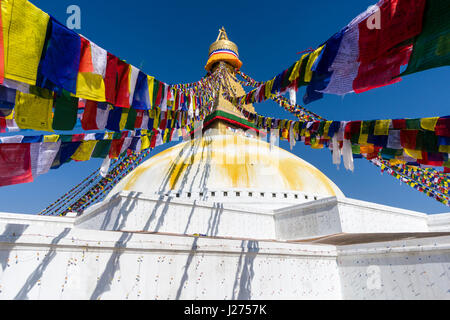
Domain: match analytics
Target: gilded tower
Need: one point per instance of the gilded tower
(224, 53)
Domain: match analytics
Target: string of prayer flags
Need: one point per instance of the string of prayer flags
(321, 71)
(299, 111)
(99, 190)
(400, 140)
(364, 55)
(425, 187)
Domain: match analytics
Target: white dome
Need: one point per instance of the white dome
(226, 162)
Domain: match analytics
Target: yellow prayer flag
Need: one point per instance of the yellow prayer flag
(363, 139)
(312, 59)
(151, 82)
(296, 71)
(51, 138)
(123, 118)
(429, 123)
(24, 31)
(145, 143)
(108, 135)
(90, 86)
(302, 132)
(394, 162)
(326, 129)
(444, 149)
(268, 90)
(156, 115)
(416, 154)
(84, 151)
(34, 112)
(10, 116)
(382, 127)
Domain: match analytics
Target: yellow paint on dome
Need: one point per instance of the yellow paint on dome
(176, 174)
(232, 161)
(135, 175)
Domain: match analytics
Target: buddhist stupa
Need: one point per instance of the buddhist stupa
(224, 159)
(226, 216)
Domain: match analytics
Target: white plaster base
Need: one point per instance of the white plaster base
(86, 264)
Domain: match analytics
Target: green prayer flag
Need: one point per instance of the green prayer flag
(285, 81)
(432, 47)
(156, 85)
(116, 136)
(427, 141)
(388, 153)
(413, 124)
(321, 128)
(101, 149)
(131, 120)
(66, 109)
(355, 138)
(66, 138)
(356, 149)
(301, 78)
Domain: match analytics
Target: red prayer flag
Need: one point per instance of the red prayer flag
(177, 100)
(85, 56)
(163, 123)
(372, 155)
(139, 118)
(399, 124)
(111, 78)
(78, 137)
(353, 127)
(116, 146)
(15, 164)
(399, 20)
(382, 71)
(2, 125)
(430, 159)
(153, 139)
(408, 139)
(443, 127)
(123, 85)
(89, 118)
(159, 95)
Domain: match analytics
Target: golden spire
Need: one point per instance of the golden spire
(223, 50)
(222, 35)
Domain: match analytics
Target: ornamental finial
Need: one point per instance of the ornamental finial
(222, 35)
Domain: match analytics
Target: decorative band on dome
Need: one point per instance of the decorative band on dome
(218, 51)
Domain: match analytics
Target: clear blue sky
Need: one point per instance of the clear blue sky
(170, 40)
